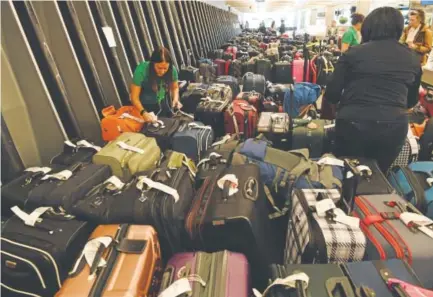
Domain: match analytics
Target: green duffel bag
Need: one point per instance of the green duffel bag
(128, 154)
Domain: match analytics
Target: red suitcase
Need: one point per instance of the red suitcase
(241, 119)
(227, 67)
(221, 66)
(254, 98)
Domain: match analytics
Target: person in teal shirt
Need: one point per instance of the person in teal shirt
(351, 37)
(155, 86)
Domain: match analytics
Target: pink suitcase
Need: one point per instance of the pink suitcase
(298, 70)
(229, 272)
(221, 66)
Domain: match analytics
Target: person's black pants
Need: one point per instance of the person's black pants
(379, 140)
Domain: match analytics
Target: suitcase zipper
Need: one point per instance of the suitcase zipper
(48, 255)
(31, 264)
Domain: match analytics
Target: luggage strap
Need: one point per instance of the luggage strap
(197, 126)
(131, 117)
(294, 281)
(144, 180)
(128, 147)
(85, 143)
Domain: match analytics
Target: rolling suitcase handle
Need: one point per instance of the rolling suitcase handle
(339, 284)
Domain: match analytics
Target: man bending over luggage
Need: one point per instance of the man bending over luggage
(375, 83)
(155, 87)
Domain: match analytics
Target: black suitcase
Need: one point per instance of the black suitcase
(248, 67)
(235, 69)
(162, 131)
(138, 202)
(183, 85)
(189, 73)
(192, 97)
(283, 73)
(254, 82)
(227, 56)
(75, 151)
(231, 81)
(36, 259)
(211, 113)
(264, 67)
(63, 191)
(238, 222)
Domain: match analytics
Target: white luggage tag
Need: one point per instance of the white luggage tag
(289, 281)
(85, 143)
(341, 217)
(131, 117)
(331, 161)
(222, 141)
(323, 206)
(420, 222)
(116, 182)
(131, 148)
(158, 124)
(32, 218)
(213, 154)
(197, 126)
(62, 175)
(156, 185)
(234, 183)
(330, 126)
(69, 143)
(430, 181)
(44, 170)
(414, 148)
(361, 168)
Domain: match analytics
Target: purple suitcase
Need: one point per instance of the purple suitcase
(221, 66)
(234, 281)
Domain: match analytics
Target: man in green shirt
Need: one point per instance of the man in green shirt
(155, 86)
(351, 37)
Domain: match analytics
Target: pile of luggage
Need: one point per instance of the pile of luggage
(236, 194)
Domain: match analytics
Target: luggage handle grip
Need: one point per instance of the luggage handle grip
(340, 284)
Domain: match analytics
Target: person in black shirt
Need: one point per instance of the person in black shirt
(374, 84)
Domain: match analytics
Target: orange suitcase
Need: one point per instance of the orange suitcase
(133, 265)
(115, 122)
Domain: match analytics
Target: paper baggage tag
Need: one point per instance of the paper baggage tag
(430, 181)
(289, 281)
(131, 117)
(32, 218)
(114, 180)
(360, 168)
(158, 124)
(222, 141)
(108, 32)
(181, 286)
(85, 143)
(423, 223)
(197, 126)
(330, 126)
(156, 185)
(69, 143)
(233, 179)
(341, 217)
(413, 145)
(62, 175)
(323, 206)
(131, 148)
(44, 170)
(331, 161)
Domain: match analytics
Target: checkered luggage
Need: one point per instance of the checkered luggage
(409, 151)
(322, 237)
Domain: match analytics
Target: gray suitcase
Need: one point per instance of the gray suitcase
(254, 82)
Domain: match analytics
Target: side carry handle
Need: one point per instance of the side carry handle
(339, 286)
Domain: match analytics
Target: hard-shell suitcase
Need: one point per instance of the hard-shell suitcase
(128, 154)
(240, 118)
(189, 73)
(415, 184)
(216, 270)
(254, 82)
(220, 219)
(382, 220)
(133, 264)
(191, 98)
(162, 130)
(221, 66)
(264, 67)
(80, 151)
(298, 70)
(254, 98)
(65, 188)
(280, 123)
(193, 139)
(283, 72)
(36, 259)
(231, 81)
(264, 124)
(116, 122)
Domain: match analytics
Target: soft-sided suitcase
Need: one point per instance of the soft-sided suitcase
(235, 69)
(211, 113)
(189, 73)
(415, 184)
(254, 82)
(133, 264)
(193, 139)
(128, 154)
(116, 122)
(80, 151)
(283, 72)
(248, 66)
(310, 136)
(36, 259)
(277, 92)
(254, 98)
(382, 220)
(221, 66)
(409, 151)
(269, 105)
(264, 67)
(162, 131)
(313, 237)
(231, 81)
(208, 72)
(65, 188)
(216, 270)
(237, 221)
(241, 118)
(191, 98)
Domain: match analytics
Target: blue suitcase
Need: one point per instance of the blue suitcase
(193, 139)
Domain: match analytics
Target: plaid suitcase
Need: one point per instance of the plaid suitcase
(320, 239)
(382, 221)
(80, 151)
(409, 151)
(193, 139)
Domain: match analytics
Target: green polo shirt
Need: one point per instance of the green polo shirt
(141, 79)
(350, 37)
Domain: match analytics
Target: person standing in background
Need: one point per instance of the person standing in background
(417, 36)
(351, 36)
(273, 26)
(332, 32)
(247, 25)
(282, 27)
